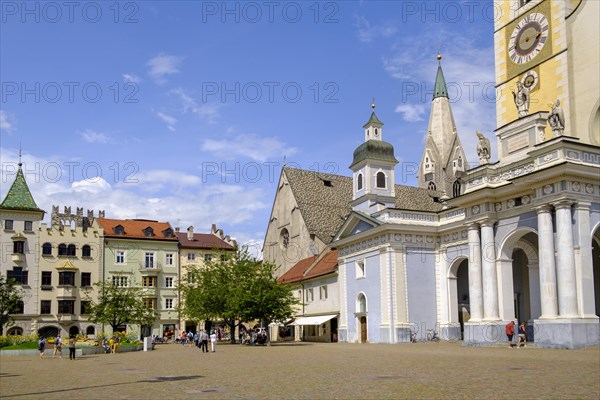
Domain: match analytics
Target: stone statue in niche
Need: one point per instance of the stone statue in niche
(483, 148)
(556, 119)
(522, 99)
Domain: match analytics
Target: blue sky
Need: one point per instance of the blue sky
(184, 111)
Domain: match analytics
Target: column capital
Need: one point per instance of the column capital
(583, 205)
(564, 203)
(472, 226)
(487, 222)
(544, 208)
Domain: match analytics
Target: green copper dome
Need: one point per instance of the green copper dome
(374, 150)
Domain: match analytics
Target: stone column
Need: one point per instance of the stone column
(548, 297)
(490, 275)
(475, 286)
(585, 270)
(565, 260)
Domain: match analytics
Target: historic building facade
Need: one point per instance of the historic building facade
(475, 246)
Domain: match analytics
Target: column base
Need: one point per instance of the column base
(342, 335)
(567, 333)
(450, 332)
(483, 333)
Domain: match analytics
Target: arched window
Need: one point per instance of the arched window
(362, 303)
(431, 186)
(86, 251)
(73, 331)
(47, 249)
(71, 249)
(285, 238)
(90, 330)
(380, 177)
(62, 249)
(456, 188)
(15, 331)
(359, 182)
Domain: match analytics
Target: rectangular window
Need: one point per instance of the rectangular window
(309, 295)
(191, 256)
(360, 269)
(207, 257)
(66, 306)
(190, 277)
(28, 225)
(45, 307)
(150, 303)
(18, 275)
(149, 260)
(8, 224)
(120, 281)
(149, 281)
(323, 292)
(169, 259)
(85, 307)
(46, 280)
(18, 247)
(120, 257)
(169, 282)
(86, 279)
(169, 304)
(66, 278)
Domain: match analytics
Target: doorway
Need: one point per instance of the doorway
(363, 329)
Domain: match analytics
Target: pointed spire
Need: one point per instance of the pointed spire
(373, 120)
(19, 197)
(440, 89)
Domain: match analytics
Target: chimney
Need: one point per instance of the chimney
(177, 229)
(190, 233)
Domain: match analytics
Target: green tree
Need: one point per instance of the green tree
(238, 288)
(10, 296)
(119, 305)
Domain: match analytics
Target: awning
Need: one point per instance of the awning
(321, 319)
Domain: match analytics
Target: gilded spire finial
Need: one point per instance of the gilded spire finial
(439, 55)
(373, 104)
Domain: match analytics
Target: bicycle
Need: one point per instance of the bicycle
(432, 336)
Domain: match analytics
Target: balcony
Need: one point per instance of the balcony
(66, 291)
(17, 258)
(150, 268)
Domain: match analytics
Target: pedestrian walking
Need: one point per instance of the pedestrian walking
(522, 335)
(190, 338)
(42, 346)
(72, 342)
(57, 347)
(204, 339)
(213, 341)
(196, 339)
(510, 331)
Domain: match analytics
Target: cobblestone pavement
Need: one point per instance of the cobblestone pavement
(309, 371)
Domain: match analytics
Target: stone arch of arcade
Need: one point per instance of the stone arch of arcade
(519, 277)
(458, 292)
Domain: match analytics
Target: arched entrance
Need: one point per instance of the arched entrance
(73, 331)
(361, 315)
(458, 281)
(48, 331)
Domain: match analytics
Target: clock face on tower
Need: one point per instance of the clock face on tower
(528, 38)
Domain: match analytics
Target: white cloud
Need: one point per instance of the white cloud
(91, 136)
(132, 78)
(248, 146)
(168, 119)
(6, 122)
(161, 66)
(412, 112)
(208, 111)
(367, 32)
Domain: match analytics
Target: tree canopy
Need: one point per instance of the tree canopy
(120, 305)
(10, 296)
(235, 288)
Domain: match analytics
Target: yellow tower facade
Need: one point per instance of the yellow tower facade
(550, 48)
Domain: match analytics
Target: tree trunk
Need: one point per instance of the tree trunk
(232, 332)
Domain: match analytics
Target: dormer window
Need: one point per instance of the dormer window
(168, 233)
(119, 230)
(327, 183)
(148, 232)
(359, 182)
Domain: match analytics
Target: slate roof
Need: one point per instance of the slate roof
(134, 228)
(19, 197)
(311, 267)
(203, 241)
(324, 208)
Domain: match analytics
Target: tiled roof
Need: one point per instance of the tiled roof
(19, 197)
(311, 267)
(134, 228)
(324, 200)
(203, 241)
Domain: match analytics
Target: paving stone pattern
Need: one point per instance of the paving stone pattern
(309, 371)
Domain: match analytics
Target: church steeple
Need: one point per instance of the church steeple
(440, 89)
(443, 161)
(373, 126)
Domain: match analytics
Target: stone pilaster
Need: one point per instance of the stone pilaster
(565, 260)
(548, 296)
(489, 274)
(475, 284)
